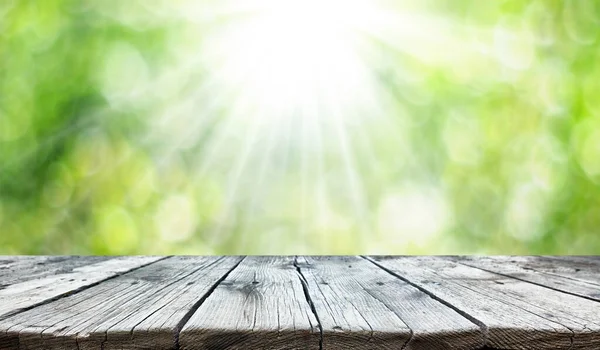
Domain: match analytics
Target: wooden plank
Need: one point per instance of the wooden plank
(576, 258)
(580, 268)
(518, 315)
(361, 306)
(311, 303)
(261, 305)
(575, 277)
(54, 282)
(142, 309)
(18, 269)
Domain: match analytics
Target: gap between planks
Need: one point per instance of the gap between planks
(77, 290)
(184, 320)
(305, 285)
(572, 282)
(480, 324)
(560, 320)
(197, 305)
(180, 322)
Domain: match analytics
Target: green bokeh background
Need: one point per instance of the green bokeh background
(491, 144)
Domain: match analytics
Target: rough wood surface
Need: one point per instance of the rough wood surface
(360, 306)
(516, 314)
(283, 302)
(29, 284)
(18, 269)
(570, 276)
(261, 305)
(137, 310)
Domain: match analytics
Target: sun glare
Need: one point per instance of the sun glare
(282, 54)
(303, 88)
(286, 110)
(298, 126)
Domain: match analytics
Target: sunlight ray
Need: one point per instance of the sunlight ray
(260, 191)
(233, 182)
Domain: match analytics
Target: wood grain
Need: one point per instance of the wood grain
(18, 269)
(517, 314)
(261, 305)
(576, 277)
(29, 284)
(360, 306)
(283, 302)
(138, 310)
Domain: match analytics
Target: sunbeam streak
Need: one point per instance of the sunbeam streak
(298, 126)
(303, 89)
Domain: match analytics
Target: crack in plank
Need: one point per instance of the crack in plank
(532, 282)
(197, 305)
(304, 283)
(480, 324)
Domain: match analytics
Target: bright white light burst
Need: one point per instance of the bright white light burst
(294, 109)
(283, 55)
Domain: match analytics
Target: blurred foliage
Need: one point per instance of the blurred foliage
(114, 139)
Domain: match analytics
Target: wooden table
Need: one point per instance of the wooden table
(413, 303)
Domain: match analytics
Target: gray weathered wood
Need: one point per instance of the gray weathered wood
(18, 269)
(332, 303)
(32, 288)
(577, 258)
(517, 314)
(574, 277)
(360, 306)
(142, 309)
(585, 269)
(261, 305)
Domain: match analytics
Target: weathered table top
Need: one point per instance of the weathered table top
(416, 303)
